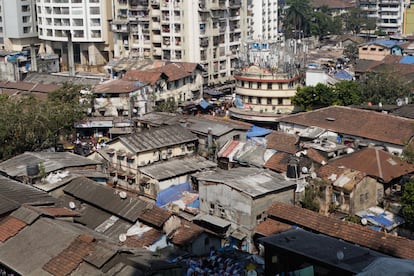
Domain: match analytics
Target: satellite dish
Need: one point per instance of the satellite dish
(72, 205)
(340, 255)
(364, 221)
(123, 195)
(304, 170)
(399, 102)
(122, 237)
(313, 175)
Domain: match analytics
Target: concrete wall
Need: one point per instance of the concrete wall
(363, 196)
(202, 244)
(7, 72)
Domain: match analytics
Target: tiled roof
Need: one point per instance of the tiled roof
(365, 65)
(282, 141)
(70, 258)
(59, 211)
(155, 138)
(117, 86)
(142, 76)
(348, 231)
(154, 216)
(278, 162)
(10, 227)
(362, 123)
(271, 227)
(29, 86)
(176, 70)
(186, 233)
(316, 156)
(146, 239)
(376, 163)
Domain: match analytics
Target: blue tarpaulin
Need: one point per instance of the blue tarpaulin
(343, 75)
(238, 102)
(256, 131)
(195, 204)
(407, 60)
(172, 193)
(204, 104)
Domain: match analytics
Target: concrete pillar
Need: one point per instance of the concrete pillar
(33, 58)
(71, 60)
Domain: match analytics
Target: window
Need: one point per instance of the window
(280, 101)
(236, 137)
(269, 86)
(259, 85)
(259, 100)
(250, 99)
(250, 84)
(269, 100)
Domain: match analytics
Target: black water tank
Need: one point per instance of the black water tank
(32, 170)
(293, 169)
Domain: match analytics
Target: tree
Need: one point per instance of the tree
(347, 93)
(384, 87)
(313, 97)
(29, 124)
(297, 18)
(351, 52)
(167, 106)
(310, 200)
(407, 201)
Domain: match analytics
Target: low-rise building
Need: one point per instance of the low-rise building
(239, 198)
(128, 153)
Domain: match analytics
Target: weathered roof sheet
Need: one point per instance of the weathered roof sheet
(202, 126)
(156, 138)
(106, 198)
(70, 258)
(251, 181)
(186, 233)
(278, 162)
(282, 141)
(143, 76)
(357, 122)
(159, 118)
(117, 86)
(155, 216)
(7, 205)
(270, 227)
(147, 238)
(347, 231)
(52, 161)
(10, 227)
(23, 193)
(177, 167)
(251, 154)
(376, 163)
(406, 110)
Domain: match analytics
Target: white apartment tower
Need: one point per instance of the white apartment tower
(389, 14)
(264, 20)
(17, 24)
(85, 23)
(208, 32)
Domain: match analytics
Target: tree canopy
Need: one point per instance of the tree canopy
(376, 88)
(407, 201)
(30, 124)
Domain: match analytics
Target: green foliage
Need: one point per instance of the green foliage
(408, 153)
(29, 124)
(407, 201)
(321, 95)
(297, 18)
(310, 201)
(167, 106)
(351, 52)
(384, 88)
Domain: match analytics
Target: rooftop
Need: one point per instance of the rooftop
(367, 124)
(251, 181)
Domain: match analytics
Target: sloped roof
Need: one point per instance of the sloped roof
(270, 227)
(406, 110)
(22, 193)
(363, 123)
(316, 156)
(186, 233)
(218, 128)
(177, 167)
(7, 205)
(155, 138)
(282, 141)
(155, 216)
(29, 86)
(52, 161)
(347, 231)
(146, 239)
(117, 86)
(251, 181)
(142, 76)
(10, 227)
(278, 162)
(176, 70)
(106, 198)
(375, 163)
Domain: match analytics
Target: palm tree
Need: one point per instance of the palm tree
(297, 18)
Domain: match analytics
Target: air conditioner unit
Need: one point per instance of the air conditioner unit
(169, 151)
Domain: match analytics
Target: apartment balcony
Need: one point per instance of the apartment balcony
(156, 38)
(234, 3)
(155, 13)
(387, 9)
(118, 27)
(141, 7)
(156, 25)
(155, 3)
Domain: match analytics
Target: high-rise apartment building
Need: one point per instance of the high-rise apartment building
(208, 32)
(389, 14)
(17, 24)
(265, 20)
(85, 23)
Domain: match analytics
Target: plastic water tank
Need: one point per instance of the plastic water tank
(32, 170)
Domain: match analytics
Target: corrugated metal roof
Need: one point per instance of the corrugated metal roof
(100, 255)
(156, 138)
(200, 125)
(176, 167)
(251, 181)
(7, 205)
(106, 198)
(23, 193)
(27, 215)
(52, 161)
